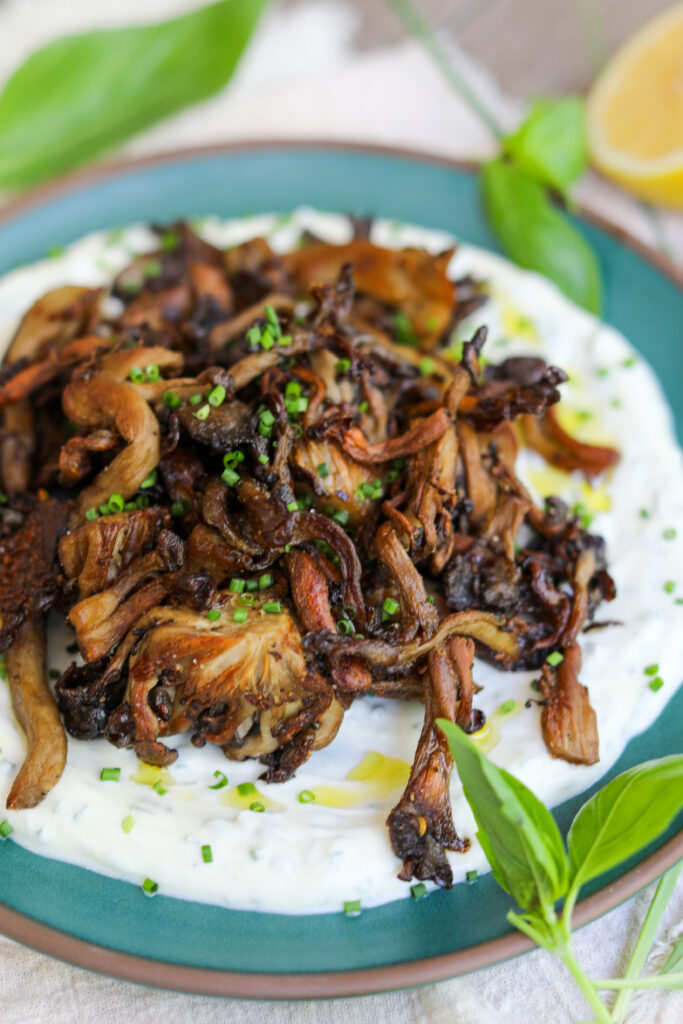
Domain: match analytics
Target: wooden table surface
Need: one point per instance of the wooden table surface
(530, 46)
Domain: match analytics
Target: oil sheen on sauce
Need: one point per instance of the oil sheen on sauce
(320, 839)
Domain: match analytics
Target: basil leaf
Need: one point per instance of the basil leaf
(517, 832)
(551, 145)
(631, 811)
(85, 94)
(537, 235)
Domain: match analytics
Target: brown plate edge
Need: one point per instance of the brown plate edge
(333, 984)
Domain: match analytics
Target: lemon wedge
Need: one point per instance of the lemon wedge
(635, 112)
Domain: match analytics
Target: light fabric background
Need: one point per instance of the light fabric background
(304, 77)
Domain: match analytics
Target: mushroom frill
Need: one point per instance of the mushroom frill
(261, 487)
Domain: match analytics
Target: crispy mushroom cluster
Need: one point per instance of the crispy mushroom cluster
(259, 489)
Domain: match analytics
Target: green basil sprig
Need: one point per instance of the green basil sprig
(547, 152)
(85, 94)
(528, 859)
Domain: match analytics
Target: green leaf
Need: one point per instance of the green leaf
(537, 235)
(517, 832)
(551, 145)
(85, 94)
(625, 816)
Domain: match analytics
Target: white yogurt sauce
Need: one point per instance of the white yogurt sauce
(305, 857)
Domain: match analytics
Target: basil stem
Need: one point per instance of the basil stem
(663, 893)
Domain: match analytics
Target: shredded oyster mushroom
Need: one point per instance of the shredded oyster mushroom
(251, 519)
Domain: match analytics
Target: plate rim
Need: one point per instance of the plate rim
(327, 984)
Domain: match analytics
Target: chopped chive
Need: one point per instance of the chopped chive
(257, 806)
(246, 600)
(54, 251)
(179, 508)
(341, 516)
(644, 514)
(285, 339)
(430, 598)
(170, 240)
(419, 891)
(254, 335)
(404, 330)
(506, 707)
(535, 685)
(149, 481)
(91, 514)
(232, 458)
(292, 389)
(246, 788)
(651, 670)
(656, 684)
(628, 363)
(203, 413)
(267, 340)
(263, 459)
(343, 365)
(669, 587)
(152, 373)
(426, 366)
(170, 399)
(116, 503)
(213, 614)
(239, 615)
(230, 477)
(4, 500)
(216, 396)
(54, 673)
(236, 585)
(128, 823)
(265, 581)
(222, 780)
(272, 607)
(363, 406)
(152, 268)
(292, 506)
(137, 374)
(669, 533)
(390, 606)
(602, 371)
(110, 774)
(104, 509)
(392, 476)
(352, 908)
(306, 796)
(287, 548)
(267, 417)
(345, 627)
(555, 659)
(5, 829)
(471, 876)
(207, 854)
(149, 887)
(195, 399)
(159, 788)
(323, 470)
(252, 584)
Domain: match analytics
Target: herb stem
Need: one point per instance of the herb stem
(663, 893)
(420, 30)
(588, 988)
(673, 981)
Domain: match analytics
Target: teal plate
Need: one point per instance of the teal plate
(108, 925)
